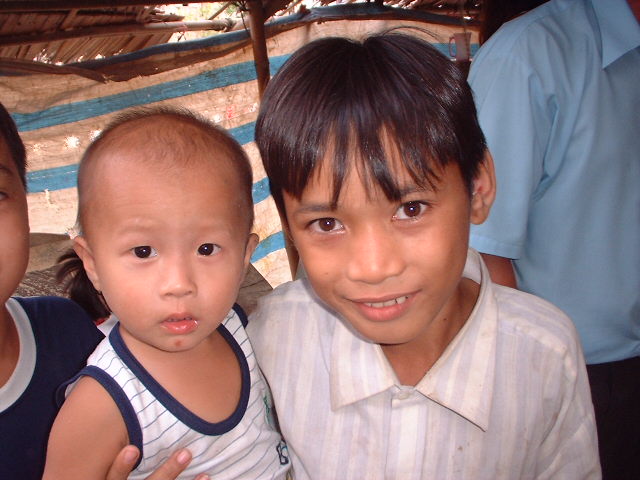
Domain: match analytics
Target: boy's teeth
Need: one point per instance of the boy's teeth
(388, 303)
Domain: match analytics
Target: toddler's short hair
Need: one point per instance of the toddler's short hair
(171, 141)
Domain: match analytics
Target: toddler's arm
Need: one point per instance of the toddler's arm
(86, 436)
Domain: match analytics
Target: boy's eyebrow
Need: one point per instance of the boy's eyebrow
(315, 208)
(329, 207)
(404, 191)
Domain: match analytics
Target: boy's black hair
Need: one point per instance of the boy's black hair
(9, 132)
(354, 97)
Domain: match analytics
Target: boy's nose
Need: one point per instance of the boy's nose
(176, 279)
(374, 256)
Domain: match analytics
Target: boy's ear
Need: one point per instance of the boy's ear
(484, 190)
(84, 252)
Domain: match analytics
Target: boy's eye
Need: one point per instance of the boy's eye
(326, 225)
(410, 210)
(144, 251)
(207, 249)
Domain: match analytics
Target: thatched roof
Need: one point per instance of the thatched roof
(65, 32)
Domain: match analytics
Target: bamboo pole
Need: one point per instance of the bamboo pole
(259, 42)
(261, 59)
(53, 5)
(115, 30)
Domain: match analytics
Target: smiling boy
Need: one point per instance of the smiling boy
(397, 357)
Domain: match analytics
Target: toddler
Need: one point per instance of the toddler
(165, 213)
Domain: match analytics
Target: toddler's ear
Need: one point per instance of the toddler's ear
(84, 252)
(484, 190)
(252, 243)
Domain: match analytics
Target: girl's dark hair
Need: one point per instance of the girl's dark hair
(355, 97)
(10, 134)
(73, 278)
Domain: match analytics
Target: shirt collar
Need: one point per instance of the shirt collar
(461, 380)
(358, 368)
(619, 29)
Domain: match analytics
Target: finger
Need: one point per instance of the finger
(123, 463)
(174, 465)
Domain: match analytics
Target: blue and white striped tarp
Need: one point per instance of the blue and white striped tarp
(59, 115)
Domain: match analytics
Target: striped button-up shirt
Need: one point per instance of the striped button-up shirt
(508, 398)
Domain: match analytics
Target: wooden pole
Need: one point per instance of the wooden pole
(259, 42)
(261, 59)
(115, 30)
(53, 5)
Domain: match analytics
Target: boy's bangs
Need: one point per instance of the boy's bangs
(380, 99)
(359, 126)
(376, 154)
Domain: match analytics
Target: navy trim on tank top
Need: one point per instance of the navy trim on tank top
(241, 314)
(170, 403)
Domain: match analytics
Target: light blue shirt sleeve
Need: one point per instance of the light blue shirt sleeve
(516, 116)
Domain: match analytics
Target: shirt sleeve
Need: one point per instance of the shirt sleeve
(570, 448)
(516, 116)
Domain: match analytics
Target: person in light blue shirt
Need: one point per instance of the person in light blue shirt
(558, 98)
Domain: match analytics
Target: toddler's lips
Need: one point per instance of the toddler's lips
(180, 325)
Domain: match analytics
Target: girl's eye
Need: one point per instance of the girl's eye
(410, 210)
(326, 225)
(3, 195)
(144, 251)
(207, 249)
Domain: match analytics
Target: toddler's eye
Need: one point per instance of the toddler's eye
(3, 195)
(410, 210)
(326, 225)
(144, 251)
(207, 249)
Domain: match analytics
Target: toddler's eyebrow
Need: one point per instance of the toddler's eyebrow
(6, 171)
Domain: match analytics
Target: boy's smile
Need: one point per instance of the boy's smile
(385, 308)
(392, 269)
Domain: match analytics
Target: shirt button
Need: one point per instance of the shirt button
(403, 395)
